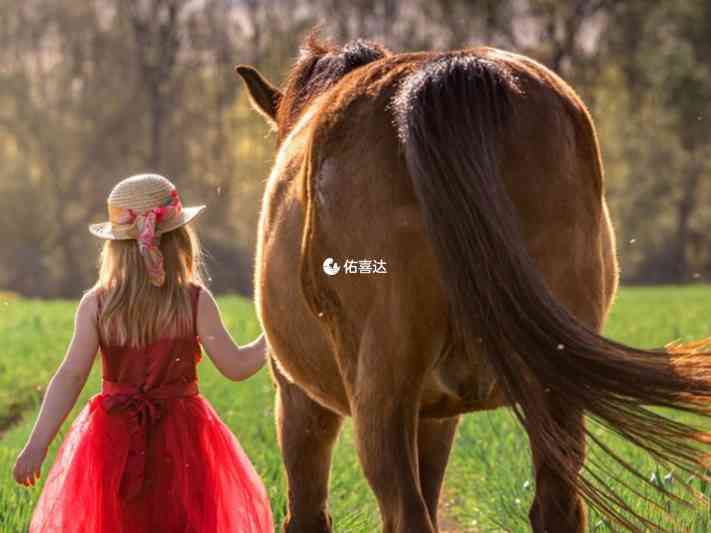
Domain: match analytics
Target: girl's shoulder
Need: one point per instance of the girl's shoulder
(202, 289)
(90, 300)
(88, 308)
(208, 296)
(94, 298)
(206, 308)
(196, 289)
(197, 286)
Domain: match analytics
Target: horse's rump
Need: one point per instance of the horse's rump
(454, 118)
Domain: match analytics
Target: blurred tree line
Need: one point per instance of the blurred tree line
(94, 91)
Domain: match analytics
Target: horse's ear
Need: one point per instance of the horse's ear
(263, 95)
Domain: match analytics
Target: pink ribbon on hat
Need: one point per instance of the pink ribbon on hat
(148, 241)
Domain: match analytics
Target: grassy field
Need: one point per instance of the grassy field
(488, 484)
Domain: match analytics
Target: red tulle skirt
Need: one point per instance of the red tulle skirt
(195, 478)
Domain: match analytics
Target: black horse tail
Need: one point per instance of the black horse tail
(450, 116)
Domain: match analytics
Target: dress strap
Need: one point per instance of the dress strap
(196, 297)
(98, 304)
(98, 313)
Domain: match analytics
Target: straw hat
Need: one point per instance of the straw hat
(139, 195)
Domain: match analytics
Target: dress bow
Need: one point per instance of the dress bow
(142, 410)
(141, 413)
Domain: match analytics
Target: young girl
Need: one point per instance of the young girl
(148, 454)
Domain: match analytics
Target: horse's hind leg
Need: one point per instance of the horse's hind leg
(306, 433)
(386, 435)
(557, 506)
(434, 442)
(392, 363)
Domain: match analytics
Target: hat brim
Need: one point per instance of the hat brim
(104, 230)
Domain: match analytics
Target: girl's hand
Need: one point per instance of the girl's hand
(28, 465)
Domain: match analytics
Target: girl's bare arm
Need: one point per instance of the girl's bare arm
(234, 362)
(62, 391)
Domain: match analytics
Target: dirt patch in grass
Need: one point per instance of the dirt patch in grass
(13, 414)
(447, 522)
(9, 420)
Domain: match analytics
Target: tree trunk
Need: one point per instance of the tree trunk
(685, 211)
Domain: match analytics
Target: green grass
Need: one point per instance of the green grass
(488, 480)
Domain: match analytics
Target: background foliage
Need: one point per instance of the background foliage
(94, 91)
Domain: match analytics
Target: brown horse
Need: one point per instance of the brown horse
(476, 176)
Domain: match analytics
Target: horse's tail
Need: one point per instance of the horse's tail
(450, 116)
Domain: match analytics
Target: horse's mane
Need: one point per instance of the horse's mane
(319, 66)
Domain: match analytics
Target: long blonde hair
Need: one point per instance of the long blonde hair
(133, 311)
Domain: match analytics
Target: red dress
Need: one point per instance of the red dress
(150, 455)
